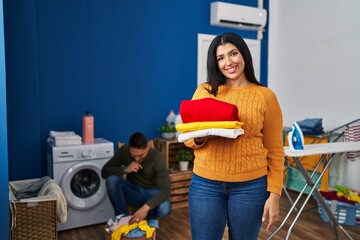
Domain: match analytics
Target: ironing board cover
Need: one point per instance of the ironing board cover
(323, 148)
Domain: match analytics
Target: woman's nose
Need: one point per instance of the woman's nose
(227, 61)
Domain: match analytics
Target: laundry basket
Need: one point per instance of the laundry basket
(108, 236)
(31, 218)
(344, 213)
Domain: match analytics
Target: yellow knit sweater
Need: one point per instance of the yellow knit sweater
(258, 152)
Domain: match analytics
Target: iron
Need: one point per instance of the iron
(296, 137)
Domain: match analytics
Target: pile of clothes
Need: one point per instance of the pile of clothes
(311, 126)
(208, 117)
(58, 138)
(119, 226)
(342, 194)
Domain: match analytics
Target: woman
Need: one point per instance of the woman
(237, 181)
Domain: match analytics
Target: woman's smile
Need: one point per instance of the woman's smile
(231, 70)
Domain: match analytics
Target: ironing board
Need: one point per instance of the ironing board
(322, 149)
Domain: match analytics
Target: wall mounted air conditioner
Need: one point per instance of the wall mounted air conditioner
(237, 16)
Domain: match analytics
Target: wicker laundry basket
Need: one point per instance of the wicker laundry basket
(33, 218)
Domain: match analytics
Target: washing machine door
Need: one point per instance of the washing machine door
(83, 186)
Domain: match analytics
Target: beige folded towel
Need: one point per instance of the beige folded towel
(51, 188)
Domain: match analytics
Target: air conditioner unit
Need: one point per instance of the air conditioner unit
(237, 16)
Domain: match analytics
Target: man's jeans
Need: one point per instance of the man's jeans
(122, 194)
(213, 204)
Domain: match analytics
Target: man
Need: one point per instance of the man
(147, 183)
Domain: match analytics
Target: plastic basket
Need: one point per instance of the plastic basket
(296, 181)
(33, 218)
(344, 213)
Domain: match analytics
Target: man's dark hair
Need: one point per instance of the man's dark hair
(138, 140)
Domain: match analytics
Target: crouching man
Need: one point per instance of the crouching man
(146, 186)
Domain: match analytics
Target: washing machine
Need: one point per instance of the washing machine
(77, 170)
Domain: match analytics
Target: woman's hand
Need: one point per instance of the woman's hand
(201, 140)
(271, 210)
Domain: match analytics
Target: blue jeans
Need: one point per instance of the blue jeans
(122, 194)
(213, 204)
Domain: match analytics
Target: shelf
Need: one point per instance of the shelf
(169, 148)
(180, 181)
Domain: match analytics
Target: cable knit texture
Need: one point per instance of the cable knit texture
(258, 152)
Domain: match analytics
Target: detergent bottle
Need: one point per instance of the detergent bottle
(170, 117)
(88, 128)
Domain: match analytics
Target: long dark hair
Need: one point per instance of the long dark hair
(214, 77)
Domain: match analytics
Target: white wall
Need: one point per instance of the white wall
(314, 59)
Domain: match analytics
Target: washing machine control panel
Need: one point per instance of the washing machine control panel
(98, 150)
(91, 154)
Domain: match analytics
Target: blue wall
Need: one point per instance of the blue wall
(128, 62)
(4, 199)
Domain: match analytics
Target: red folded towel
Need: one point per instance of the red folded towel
(207, 110)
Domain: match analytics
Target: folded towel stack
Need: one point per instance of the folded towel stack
(311, 126)
(208, 109)
(64, 138)
(208, 117)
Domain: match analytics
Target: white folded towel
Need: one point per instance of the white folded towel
(64, 138)
(61, 133)
(72, 138)
(221, 132)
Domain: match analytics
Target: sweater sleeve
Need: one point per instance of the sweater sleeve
(272, 140)
(115, 166)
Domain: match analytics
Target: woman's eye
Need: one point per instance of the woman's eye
(234, 53)
(219, 59)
